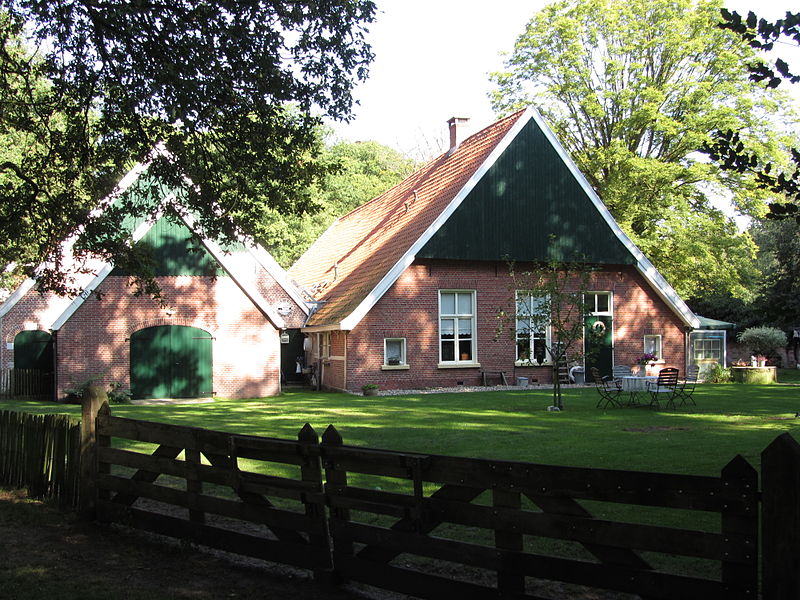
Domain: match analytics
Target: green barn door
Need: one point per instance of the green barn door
(171, 361)
(33, 364)
(33, 350)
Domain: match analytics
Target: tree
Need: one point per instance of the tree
(778, 301)
(357, 172)
(234, 92)
(550, 311)
(728, 148)
(632, 90)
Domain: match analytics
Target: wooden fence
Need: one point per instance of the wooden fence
(518, 503)
(438, 526)
(25, 383)
(40, 453)
(223, 504)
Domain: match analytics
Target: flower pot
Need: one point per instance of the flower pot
(371, 392)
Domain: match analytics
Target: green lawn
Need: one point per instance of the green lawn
(728, 420)
(514, 425)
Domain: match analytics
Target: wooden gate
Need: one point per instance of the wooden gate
(258, 497)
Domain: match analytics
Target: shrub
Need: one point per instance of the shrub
(718, 374)
(763, 341)
(117, 394)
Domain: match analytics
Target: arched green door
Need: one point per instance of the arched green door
(33, 374)
(33, 350)
(171, 361)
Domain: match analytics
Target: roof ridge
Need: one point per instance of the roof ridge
(432, 163)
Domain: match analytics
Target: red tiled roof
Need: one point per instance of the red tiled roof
(349, 260)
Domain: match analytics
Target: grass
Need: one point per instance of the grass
(512, 425)
(729, 419)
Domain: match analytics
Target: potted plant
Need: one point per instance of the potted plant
(370, 389)
(648, 358)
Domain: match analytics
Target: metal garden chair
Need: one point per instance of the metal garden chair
(608, 390)
(686, 387)
(619, 372)
(665, 387)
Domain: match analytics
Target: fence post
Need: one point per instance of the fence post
(780, 518)
(93, 399)
(740, 529)
(311, 472)
(343, 547)
(506, 539)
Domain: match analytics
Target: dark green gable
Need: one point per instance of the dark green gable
(528, 206)
(175, 251)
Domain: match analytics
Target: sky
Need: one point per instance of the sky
(432, 62)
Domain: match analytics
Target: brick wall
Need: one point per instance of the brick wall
(96, 339)
(410, 310)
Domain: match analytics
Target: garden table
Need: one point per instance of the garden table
(633, 384)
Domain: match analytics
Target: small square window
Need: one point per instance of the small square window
(394, 352)
(652, 345)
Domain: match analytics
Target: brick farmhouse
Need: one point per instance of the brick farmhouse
(402, 292)
(408, 286)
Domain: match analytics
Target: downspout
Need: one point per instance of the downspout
(320, 365)
(344, 370)
(54, 336)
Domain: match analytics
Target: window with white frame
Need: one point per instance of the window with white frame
(394, 352)
(457, 326)
(533, 330)
(652, 345)
(598, 303)
(325, 345)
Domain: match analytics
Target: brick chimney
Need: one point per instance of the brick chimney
(458, 126)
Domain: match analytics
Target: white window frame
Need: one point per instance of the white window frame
(403, 356)
(530, 362)
(660, 347)
(325, 345)
(600, 313)
(473, 361)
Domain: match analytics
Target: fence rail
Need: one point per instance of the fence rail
(515, 502)
(436, 526)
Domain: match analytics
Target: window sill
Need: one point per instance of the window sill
(458, 365)
(395, 367)
(525, 363)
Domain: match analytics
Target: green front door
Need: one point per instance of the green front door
(171, 361)
(598, 344)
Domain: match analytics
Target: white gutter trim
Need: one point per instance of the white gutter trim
(124, 183)
(15, 297)
(405, 261)
(104, 272)
(279, 274)
(321, 328)
(249, 290)
(660, 285)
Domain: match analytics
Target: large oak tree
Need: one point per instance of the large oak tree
(233, 90)
(633, 90)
